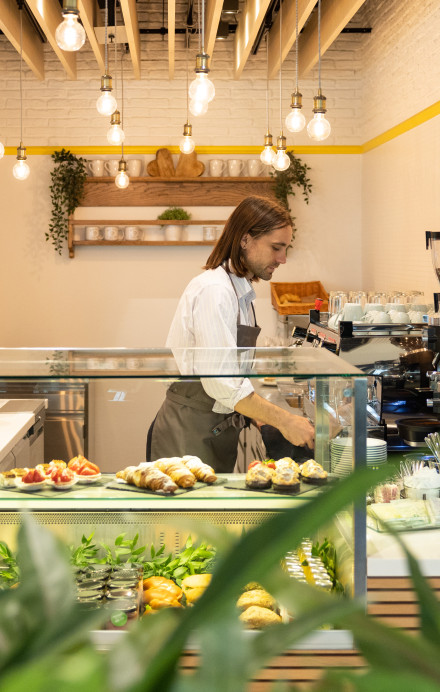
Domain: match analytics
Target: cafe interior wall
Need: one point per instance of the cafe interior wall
(125, 296)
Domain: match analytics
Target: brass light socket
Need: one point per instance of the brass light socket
(122, 165)
(70, 7)
(115, 118)
(319, 103)
(202, 63)
(268, 142)
(106, 83)
(296, 100)
(281, 143)
(21, 152)
(187, 130)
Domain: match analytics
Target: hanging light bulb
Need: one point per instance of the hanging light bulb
(295, 121)
(106, 103)
(187, 144)
(267, 156)
(115, 133)
(198, 107)
(319, 127)
(70, 34)
(122, 180)
(282, 161)
(21, 170)
(2, 150)
(201, 88)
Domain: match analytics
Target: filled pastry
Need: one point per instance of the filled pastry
(256, 617)
(312, 472)
(176, 470)
(287, 462)
(259, 476)
(201, 471)
(256, 597)
(286, 479)
(147, 476)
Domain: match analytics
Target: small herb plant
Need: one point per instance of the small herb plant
(9, 572)
(174, 213)
(68, 177)
(285, 181)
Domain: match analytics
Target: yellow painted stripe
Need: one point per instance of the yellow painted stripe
(405, 126)
(233, 150)
(408, 124)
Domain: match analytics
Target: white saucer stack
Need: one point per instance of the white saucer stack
(341, 451)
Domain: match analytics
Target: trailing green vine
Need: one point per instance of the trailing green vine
(285, 181)
(68, 178)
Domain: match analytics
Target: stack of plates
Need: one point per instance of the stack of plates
(341, 454)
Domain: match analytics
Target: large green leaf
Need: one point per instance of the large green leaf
(40, 616)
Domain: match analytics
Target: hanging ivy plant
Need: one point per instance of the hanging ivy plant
(285, 181)
(68, 177)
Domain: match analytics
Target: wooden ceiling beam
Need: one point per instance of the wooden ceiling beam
(32, 44)
(288, 37)
(133, 34)
(247, 30)
(171, 37)
(48, 15)
(91, 17)
(213, 13)
(335, 15)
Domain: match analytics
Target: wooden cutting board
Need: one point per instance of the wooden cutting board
(189, 167)
(153, 168)
(165, 163)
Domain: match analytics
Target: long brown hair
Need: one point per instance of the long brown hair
(255, 216)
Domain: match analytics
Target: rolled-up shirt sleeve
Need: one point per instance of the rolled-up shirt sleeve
(215, 333)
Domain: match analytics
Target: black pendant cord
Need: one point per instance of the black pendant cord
(21, 75)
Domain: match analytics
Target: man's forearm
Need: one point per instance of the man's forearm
(254, 406)
(294, 428)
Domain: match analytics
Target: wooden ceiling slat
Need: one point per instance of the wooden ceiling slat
(171, 37)
(133, 35)
(247, 31)
(32, 45)
(48, 15)
(91, 17)
(305, 7)
(212, 19)
(335, 15)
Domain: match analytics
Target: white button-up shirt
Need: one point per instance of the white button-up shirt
(206, 320)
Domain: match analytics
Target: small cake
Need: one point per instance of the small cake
(285, 479)
(287, 462)
(312, 472)
(256, 617)
(259, 476)
(8, 479)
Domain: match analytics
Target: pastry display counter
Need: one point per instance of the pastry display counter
(126, 388)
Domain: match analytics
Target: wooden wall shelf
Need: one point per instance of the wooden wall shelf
(154, 192)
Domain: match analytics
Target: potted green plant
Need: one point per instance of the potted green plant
(68, 177)
(173, 232)
(284, 183)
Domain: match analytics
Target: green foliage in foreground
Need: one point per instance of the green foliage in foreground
(45, 647)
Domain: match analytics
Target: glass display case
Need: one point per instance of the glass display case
(125, 388)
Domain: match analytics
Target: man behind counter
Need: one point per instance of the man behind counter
(204, 418)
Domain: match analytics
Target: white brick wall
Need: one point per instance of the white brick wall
(59, 111)
(401, 62)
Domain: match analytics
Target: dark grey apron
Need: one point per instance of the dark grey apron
(186, 423)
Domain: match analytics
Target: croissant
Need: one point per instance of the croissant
(202, 471)
(146, 476)
(176, 470)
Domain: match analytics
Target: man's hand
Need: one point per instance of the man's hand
(298, 431)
